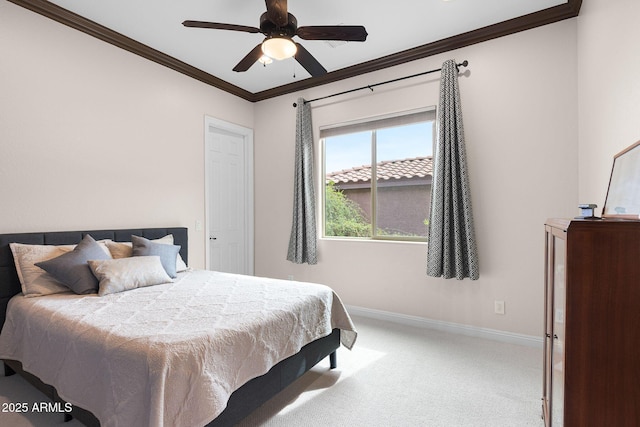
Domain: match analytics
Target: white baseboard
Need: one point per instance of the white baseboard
(454, 328)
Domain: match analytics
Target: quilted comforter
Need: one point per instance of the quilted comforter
(172, 354)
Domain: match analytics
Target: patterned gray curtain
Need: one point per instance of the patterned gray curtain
(452, 246)
(303, 239)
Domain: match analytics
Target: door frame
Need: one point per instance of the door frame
(247, 136)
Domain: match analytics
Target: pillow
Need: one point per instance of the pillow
(167, 253)
(123, 274)
(35, 281)
(120, 249)
(125, 249)
(72, 269)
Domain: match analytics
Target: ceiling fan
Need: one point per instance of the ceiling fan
(279, 27)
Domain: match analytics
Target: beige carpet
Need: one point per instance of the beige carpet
(395, 376)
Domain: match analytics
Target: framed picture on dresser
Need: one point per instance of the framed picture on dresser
(623, 194)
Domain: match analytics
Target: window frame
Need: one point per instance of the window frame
(367, 124)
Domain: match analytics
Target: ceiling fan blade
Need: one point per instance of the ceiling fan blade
(308, 62)
(277, 12)
(350, 33)
(251, 58)
(219, 26)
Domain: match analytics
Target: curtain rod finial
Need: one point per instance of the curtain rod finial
(462, 64)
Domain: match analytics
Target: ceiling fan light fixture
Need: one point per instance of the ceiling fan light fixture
(279, 48)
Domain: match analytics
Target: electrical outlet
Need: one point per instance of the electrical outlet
(498, 307)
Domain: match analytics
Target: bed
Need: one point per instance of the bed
(223, 345)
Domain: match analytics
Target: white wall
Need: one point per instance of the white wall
(609, 88)
(81, 117)
(519, 98)
(92, 136)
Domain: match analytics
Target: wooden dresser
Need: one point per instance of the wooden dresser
(592, 323)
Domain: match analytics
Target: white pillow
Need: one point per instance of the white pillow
(125, 250)
(123, 274)
(34, 281)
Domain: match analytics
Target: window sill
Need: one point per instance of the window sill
(364, 240)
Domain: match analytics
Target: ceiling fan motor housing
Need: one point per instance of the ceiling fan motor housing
(270, 29)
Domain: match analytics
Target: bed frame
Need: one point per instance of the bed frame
(241, 403)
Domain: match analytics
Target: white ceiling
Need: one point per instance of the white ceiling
(393, 26)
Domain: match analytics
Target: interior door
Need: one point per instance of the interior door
(229, 198)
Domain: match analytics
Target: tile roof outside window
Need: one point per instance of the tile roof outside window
(417, 167)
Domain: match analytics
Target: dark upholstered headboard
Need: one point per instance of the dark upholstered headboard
(9, 282)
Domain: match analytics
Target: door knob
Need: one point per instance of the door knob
(213, 238)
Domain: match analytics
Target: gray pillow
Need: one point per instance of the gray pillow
(72, 268)
(167, 253)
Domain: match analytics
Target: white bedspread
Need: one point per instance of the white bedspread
(168, 355)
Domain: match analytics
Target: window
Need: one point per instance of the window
(398, 151)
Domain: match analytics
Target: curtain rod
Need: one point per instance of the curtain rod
(463, 64)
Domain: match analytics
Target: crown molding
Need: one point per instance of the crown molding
(561, 12)
(105, 34)
(512, 26)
